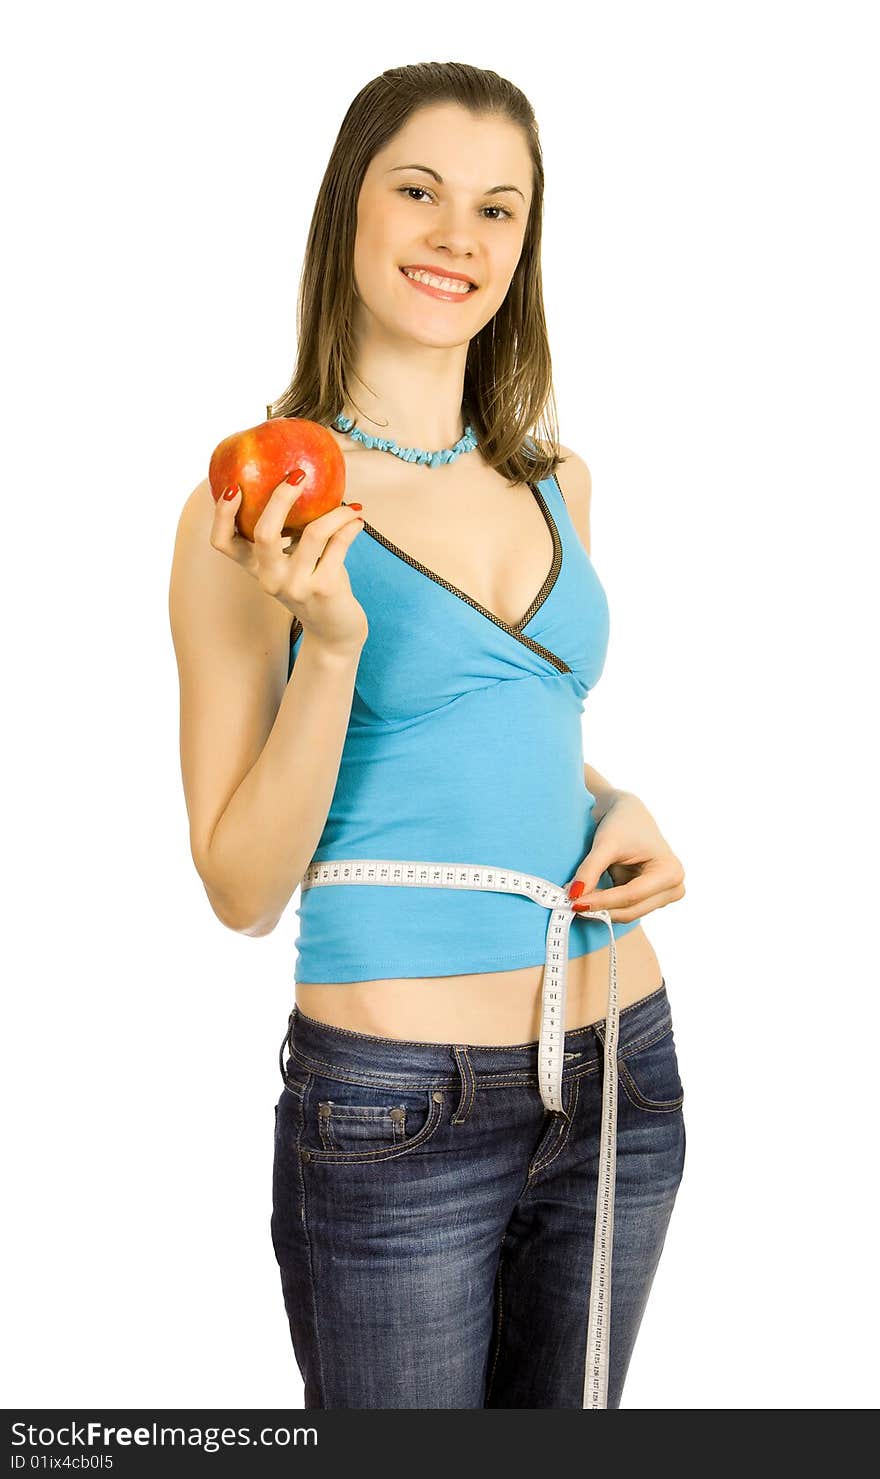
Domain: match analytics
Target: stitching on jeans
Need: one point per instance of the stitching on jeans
(305, 1222)
(378, 1115)
(522, 1079)
(463, 1085)
(461, 1108)
(565, 1120)
(635, 1095)
(533, 1083)
(410, 1042)
(387, 1153)
(551, 1135)
(645, 1042)
(317, 1065)
(470, 1084)
(500, 1318)
(563, 1139)
(473, 1081)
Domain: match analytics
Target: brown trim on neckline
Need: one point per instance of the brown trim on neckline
(514, 628)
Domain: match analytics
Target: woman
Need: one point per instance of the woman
(408, 686)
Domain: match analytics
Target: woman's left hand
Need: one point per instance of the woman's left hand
(646, 873)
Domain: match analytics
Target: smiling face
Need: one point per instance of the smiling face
(448, 216)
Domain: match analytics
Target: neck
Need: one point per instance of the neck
(411, 393)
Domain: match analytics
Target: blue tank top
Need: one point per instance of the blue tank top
(464, 745)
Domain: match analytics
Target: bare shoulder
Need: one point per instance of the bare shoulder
(198, 510)
(573, 477)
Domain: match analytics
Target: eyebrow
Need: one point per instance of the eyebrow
(426, 168)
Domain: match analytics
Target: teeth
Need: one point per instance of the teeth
(448, 284)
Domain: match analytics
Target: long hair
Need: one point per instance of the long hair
(508, 383)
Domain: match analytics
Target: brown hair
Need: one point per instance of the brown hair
(508, 382)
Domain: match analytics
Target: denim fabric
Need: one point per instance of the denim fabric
(433, 1221)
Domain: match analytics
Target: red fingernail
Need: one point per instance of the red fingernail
(231, 493)
(579, 908)
(355, 505)
(576, 889)
(296, 476)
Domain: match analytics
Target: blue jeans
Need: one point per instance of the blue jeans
(433, 1221)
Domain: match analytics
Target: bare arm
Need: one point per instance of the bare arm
(577, 490)
(269, 829)
(260, 756)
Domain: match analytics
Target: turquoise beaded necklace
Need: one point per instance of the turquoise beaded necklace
(467, 443)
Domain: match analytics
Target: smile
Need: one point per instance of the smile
(447, 289)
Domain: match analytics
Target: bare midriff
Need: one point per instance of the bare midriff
(491, 1009)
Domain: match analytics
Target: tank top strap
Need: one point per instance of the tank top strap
(553, 495)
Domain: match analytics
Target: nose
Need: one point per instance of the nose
(454, 235)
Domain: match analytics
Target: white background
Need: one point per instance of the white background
(710, 271)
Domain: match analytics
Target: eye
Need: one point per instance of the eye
(419, 190)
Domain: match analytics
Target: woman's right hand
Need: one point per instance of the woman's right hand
(308, 575)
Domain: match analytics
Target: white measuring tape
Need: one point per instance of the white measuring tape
(550, 1047)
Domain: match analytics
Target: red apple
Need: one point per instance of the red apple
(258, 459)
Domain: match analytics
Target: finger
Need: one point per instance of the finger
(311, 548)
(279, 505)
(656, 901)
(597, 861)
(223, 534)
(282, 499)
(635, 891)
(335, 550)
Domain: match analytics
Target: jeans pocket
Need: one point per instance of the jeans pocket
(649, 1074)
(361, 1122)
